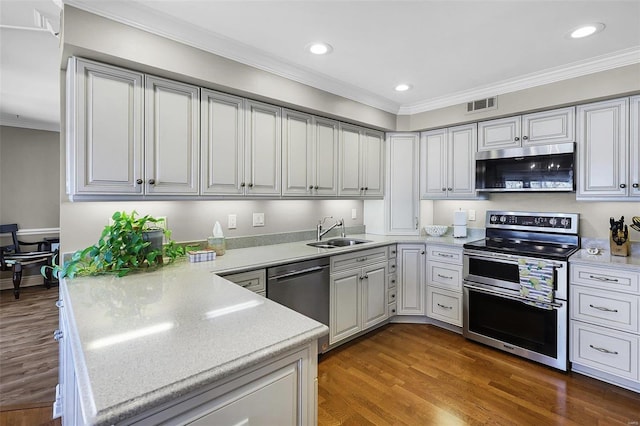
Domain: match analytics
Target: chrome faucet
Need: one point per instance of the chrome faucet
(321, 232)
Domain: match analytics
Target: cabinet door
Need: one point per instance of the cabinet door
(263, 149)
(325, 166)
(433, 164)
(349, 160)
(634, 146)
(172, 145)
(297, 153)
(499, 134)
(374, 295)
(549, 127)
(603, 149)
(222, 143)
(372, 179)
(104, 129)
(411, 276)
(345, 305)
(402, 201)
(461, 175)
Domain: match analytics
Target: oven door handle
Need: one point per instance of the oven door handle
(508, 296)
(505, 258)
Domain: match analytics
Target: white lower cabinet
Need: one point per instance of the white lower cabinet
(255, 281)
(411, 279)
(359, 292)
(605, 325)
(444, 284)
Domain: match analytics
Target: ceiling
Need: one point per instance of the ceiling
(450, 52)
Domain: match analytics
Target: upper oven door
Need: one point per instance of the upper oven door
(500, 271)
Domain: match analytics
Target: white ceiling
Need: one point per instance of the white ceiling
(449, 51)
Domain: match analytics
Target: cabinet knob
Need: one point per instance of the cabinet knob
(393, 281)
(524, 138)
(242, 185)
(623, 186)
(139, 181)
(422, 252)
(152, 181)
(393, 296)
(57, 335)
(444, 189)
(310, 187)
(366, 188)
(516, 139)
(393, 311)
(635, 185)
(59, 303)
(449, 189)
(362, 188)
(366, 276)
(250, 185)
(315, 187)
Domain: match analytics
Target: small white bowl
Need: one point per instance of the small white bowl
(436, 230)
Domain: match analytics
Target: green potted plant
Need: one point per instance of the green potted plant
(128, 243)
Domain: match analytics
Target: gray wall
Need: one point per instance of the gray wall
(29, 176)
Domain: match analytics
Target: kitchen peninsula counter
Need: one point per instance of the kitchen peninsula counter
(149, 339)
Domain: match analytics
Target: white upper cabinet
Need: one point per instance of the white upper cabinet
(104, 129)
(447, 162)
(402, 203)
(172, 137)
(607, 157)
(361, 160)
(540, 128)
(222, 144)
(309, 155)
(262, 149)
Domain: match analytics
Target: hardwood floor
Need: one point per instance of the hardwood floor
(422, 375)
(409, 374)
(28, 352)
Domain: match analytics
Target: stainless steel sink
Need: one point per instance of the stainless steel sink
(337, 242)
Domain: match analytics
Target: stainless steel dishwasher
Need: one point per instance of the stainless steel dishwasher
(303, 287)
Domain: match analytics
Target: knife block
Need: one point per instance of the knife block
(619, 250)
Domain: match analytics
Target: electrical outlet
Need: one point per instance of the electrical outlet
(232, 221)
(258, 219)
(161, 223)
(354, 214)
(471, 214)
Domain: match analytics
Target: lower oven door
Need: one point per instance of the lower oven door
(507, 323)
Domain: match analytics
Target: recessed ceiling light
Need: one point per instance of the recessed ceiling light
(402, 87)
(319, 48)
(586, 30)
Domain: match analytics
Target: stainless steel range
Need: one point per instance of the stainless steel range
(516, 284)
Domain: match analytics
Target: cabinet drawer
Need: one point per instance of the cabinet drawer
(605, 278)
(444, 275)
(608, 308)
(444, 305)
(251, 280)
(358, 259)
(391, 295)
(393, 310)
(605, 349)
(393, 280)
(392, 264)
(444, 254)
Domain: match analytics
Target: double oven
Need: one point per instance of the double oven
(499, 309)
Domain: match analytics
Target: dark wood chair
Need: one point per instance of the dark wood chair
(14, 259)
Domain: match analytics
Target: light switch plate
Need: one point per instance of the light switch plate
(258, 219)
(232, 221)
(354, 214)
(471, 214)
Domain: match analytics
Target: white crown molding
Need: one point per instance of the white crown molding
(577, 69)
(29, 124)
(139, 16)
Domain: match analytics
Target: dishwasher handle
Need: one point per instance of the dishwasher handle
(299, 272)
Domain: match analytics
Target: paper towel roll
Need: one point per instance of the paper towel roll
(460, 218)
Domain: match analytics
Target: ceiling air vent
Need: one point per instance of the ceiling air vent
(482, 104)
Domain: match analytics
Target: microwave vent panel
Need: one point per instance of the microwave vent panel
(482, 104)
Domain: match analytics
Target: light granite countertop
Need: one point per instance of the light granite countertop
(604, 258)
(148, 338)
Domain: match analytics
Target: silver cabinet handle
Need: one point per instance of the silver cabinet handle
(602, 308)
(59, 303)
(57, 335)
(445, 255)
(361, 259)
(444, 276)
(599, 278)
(603, 350)
(445, 307)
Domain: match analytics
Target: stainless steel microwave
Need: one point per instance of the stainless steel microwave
(538, 168)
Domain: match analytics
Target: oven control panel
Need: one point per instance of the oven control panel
(533, 221)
